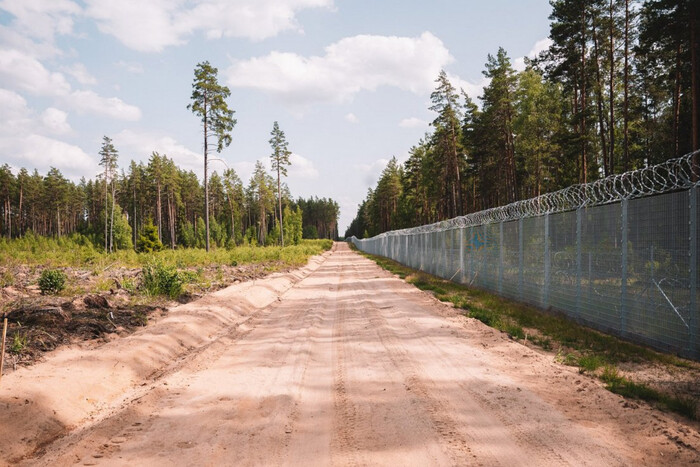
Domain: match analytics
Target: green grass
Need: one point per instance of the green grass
(76, 251)
(576, 345)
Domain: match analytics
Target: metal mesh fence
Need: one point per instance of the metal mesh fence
(628, 267)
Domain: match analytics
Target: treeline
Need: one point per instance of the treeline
(158, 194)
(618, 89)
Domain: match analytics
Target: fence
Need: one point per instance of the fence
(619, 255)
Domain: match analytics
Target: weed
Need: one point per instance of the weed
(159, 279)
(590, 362)
(7, 278)
(19, 342)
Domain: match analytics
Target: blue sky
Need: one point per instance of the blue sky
(349, 81)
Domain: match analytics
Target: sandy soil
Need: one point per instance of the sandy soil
(339, 363)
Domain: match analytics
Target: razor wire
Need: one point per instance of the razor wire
(674, 174)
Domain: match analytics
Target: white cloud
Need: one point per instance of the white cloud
(42, 19)
(80, 73)
(141, 144)
(301, 167)
(349, 66)
(55, 121)
(540, 46)
(413, 122)
(352, 118)
(40, 151)
(151, 26)
(21, 71)
(372, 171)
(131, 67)
(90, 102)
(22, 146)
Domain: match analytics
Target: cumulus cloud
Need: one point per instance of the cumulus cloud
(42, 19)
(90, 102)
(23, 146)
(301, 167)
(352, 118)
(372, 171)
(21, 71)
(349, 66)
(131, 67)
(143, 143)
(55, 121)
(151, 26)
(540, 46)
(80, 73)
(413, 122)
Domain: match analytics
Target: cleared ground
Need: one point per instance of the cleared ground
(341, 364)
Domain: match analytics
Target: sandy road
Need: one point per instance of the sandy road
(351, 366)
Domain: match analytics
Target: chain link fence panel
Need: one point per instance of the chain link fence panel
(623, 260)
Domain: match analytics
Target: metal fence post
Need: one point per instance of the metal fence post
(471, 252)
(547, 262)
(579, 248)
(500, 258)
(521, 258)
(623, 288)
(461, 255)
(694, 270)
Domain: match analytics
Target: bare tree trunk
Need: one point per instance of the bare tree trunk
(612, 88)
(625, 108)
(584, 156)
(206, 182)
(677, 104)
(599, 92)
(279, 198)
(111, 223)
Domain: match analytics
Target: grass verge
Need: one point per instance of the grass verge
(591, 351)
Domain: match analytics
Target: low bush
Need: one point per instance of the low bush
(52, 281)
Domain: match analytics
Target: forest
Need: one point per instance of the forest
(161, 195)
(616, 90)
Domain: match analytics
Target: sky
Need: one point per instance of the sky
(348, 81)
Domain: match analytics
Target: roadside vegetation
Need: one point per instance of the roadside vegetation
(58, 290)
(631, 370)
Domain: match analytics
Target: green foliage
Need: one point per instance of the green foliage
(159, 279)
(19, 342)
(310, 232)
(52, 281)
(293, 221)
(148, 240)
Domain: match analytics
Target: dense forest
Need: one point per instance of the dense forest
(161, 195)
(616, 90)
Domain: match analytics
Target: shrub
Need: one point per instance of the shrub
(52, 281)
(159, 279)
(148, 240)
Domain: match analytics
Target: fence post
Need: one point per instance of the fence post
(579, 248)
(461, 255)
(547, 262)
(623, 288)
(694, 270)
(521, 258)
(500, 258)
(471, 252)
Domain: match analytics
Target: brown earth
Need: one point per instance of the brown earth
(95, 307)
(338, 363)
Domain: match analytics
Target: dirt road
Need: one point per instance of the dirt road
(347, 366)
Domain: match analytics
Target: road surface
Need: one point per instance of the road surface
(352, 366)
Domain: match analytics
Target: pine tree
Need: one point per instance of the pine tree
(108, 159)
(209, 103)
(280, 161)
